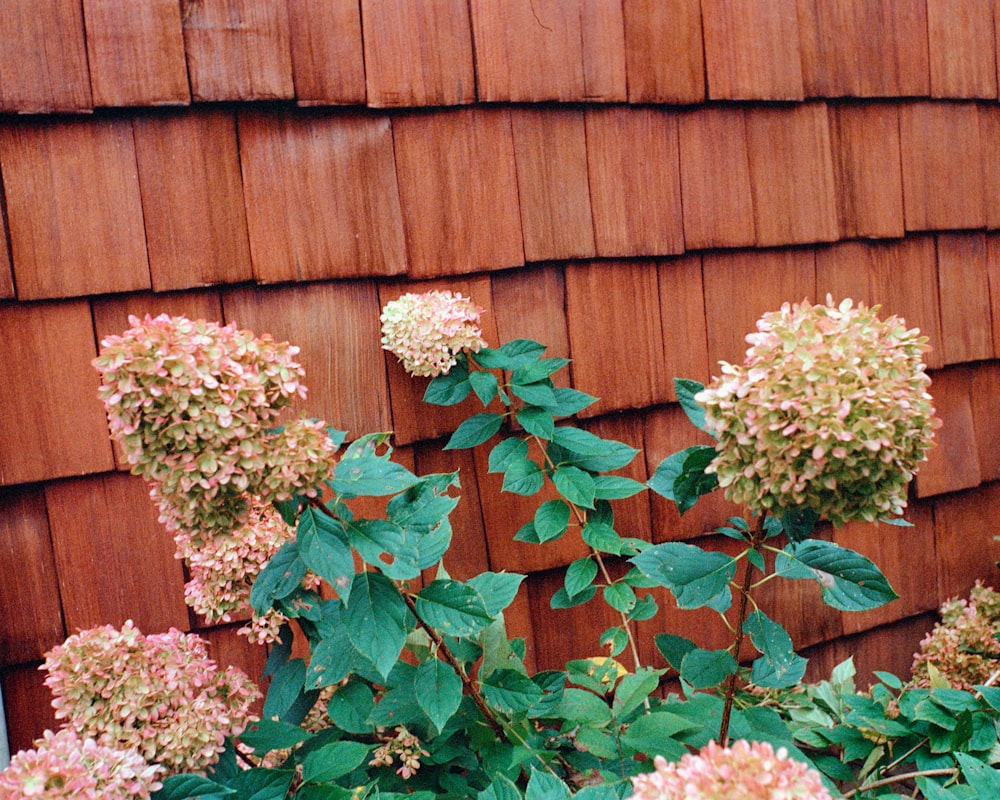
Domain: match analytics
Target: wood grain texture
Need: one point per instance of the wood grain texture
(458, 191)
(993, 276)
(238, 49)
(536, 50)
(114, 558)
(27, 706)
(43, 63)
(6, 274)
(966, 549)
(742, 286)
(336, 326)
(752, 50)
(550, 152)
(136, 58)
(51, 422)
(842, 271)
(953, 463)
(616, 335)
(505, 514)
(866, 170)
(903, 278)
(791, 174)
(33, 622)
(864, 48)
(715, 179)
(667, 431)
(989, 136)
(192, 199)
(962, 52)
(984, 392)
(530, 303)
(942, 166)
(328, 64)
(664, 55)
(682, 314)
(413, 419)
(893, 550)
(321, 195)
(964, 294)
(468, 555)
(636, 201)
(632, 514)
(73, 208)
(418, 52)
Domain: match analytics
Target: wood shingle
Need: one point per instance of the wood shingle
(962, 52)
(664, 55)
(964, 294)
(328, 64)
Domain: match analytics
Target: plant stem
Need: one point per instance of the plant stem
(449, 657)
(756, 537)
(905, 776)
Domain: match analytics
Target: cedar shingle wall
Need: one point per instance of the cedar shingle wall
(632, 182)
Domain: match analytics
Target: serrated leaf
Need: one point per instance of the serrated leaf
(667, 472)
(620, 597)
(696, 577)
(286, 687)
(633, 689)
(268, 734)
(615, 639)
(617, 455)
(545, 786)
(438, 690)
(693, 481)
(538, 370)
(850, 581)
(579, 575)
(581, 442)
(386, 545)
(333, 761)
(510, 692)
(779, 666)
(376, 618)
(645, 608)
(453, 608)
(570, 401)
(474, 431)
(686, 390)
(653, 734)
(799, 523)
(449, 389)
(551, 520)
(602, 538)
(370, 475)
(180, 787)
(616, 487)
(535, 394)
(485, 385)
(575, 485)
(707, 668)
(498, 589)
(584, 708)
(523, 477)
(333, 659)
(673, 648)
(350, 707)
(281, 576)
(323, 549)
(563, 600)
(536, 421)
(500, 788)
(521, 352)
(506, 452)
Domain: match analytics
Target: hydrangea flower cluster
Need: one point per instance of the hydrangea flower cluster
(426, 331)
(62, 765)
(404, 746)
(160, 696)
(744, 771)
(829, 411)
(963, 647)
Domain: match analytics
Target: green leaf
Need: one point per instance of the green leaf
(333, 761)
(376, 619)
(511, 355)
(615, 487)
(370, 475)
(536, 421)
(545, 786)
(667, 473)
(506, 452)
(686, 390)
(498, 589)
(263, 784)
(693, 481)
(779, 666)
(575, 485)
(269, 734)
(500, 788)
(523, 477)
(799, 523)
(485, 385)
(620, 597)
(323, 549)
(570, 401)
(474, 431)
(498, 652)
(706, 668)
(645, 608)
(584, 708)
(653, 734)
(535, 394)
(538, 370)
(333, 658)
(615, 457)
(673, 648)
(579, 575)
(350, 707)
(450, 389)
(179, 787)
(510, 692)
(281, 576)
(581, 442)
(286, 686)
(850, 581)
(438, 690)
(615, 639)
(602, 537)
(551, 520)
(563, 600)
(634, 688)
(453, 608)
(697, 578)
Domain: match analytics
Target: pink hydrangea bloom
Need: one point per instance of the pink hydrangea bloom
(744, 771)
(159, 695)
(426, 331)
(403, 746)
(62, 765)
(828, 411)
